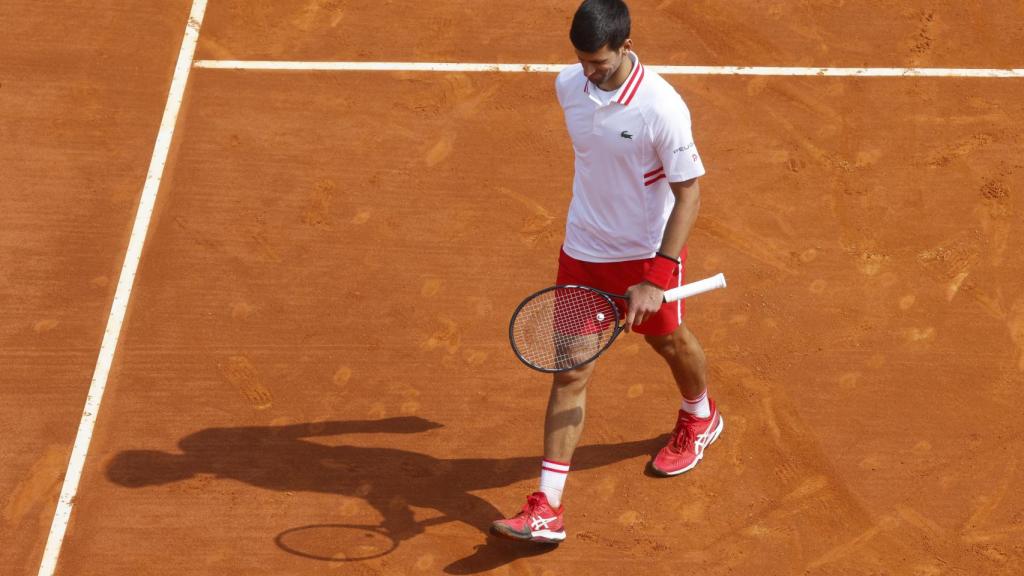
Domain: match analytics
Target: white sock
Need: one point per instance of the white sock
(552, 481)
(699, 407)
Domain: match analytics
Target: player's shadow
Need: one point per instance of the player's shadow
(391, 480)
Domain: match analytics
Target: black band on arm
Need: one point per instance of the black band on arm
(667, 257)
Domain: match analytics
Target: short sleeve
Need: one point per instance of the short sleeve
(560, 80)
(673, 140)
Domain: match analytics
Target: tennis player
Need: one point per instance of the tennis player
(635, 199)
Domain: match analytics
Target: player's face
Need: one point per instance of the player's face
(601, 66)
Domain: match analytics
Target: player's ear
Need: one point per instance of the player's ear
(627, 46)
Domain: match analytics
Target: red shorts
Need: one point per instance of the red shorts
(616, 277)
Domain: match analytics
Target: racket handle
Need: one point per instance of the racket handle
(694, 288)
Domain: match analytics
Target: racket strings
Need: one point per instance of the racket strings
(563, 328)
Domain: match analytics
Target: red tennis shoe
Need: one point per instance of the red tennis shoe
(686, 446)
(538, 522)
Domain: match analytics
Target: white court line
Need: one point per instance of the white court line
(124, 290)
(272, 65)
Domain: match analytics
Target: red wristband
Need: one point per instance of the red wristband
(660, 270)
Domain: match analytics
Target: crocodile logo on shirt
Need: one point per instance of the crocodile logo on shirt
(625, 134)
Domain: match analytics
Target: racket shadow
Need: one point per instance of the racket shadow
(391, 480)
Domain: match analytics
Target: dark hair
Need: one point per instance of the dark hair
(600, 22)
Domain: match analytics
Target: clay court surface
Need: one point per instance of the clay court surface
(313, 375)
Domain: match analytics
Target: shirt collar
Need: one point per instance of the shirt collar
(629, 88)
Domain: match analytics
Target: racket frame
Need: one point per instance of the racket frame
(615, 333)
(671, 295)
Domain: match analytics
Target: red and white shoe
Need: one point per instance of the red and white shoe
(689, 439)
(537, 522)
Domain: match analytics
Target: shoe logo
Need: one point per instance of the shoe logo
(539, 522)
(625, 134)
(703, 440)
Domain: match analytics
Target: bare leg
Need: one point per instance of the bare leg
(563, 423)
(685, 357)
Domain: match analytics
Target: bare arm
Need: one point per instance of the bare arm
(645, 298)
(684, 214)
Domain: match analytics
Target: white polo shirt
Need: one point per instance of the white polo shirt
(627, 151)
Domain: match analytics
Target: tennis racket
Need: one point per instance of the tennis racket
(567, 326)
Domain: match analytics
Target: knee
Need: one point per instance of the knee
(573, 380)
(670, 345)
(663, 345)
